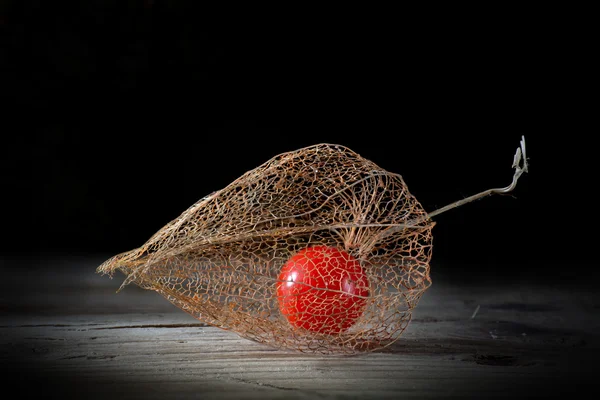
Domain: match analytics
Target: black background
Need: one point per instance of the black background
(121, 114)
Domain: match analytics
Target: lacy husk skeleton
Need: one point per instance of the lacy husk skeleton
(220, 259)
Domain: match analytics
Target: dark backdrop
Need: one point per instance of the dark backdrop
(121, 114)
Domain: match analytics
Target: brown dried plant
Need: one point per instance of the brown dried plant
(221, 259)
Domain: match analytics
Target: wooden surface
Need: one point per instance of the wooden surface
(66, 333)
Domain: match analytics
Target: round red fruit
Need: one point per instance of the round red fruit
(322, 289)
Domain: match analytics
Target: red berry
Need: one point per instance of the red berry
(322, 289)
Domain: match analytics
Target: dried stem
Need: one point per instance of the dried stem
(520, 166)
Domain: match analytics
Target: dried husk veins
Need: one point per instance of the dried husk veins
(220, 259)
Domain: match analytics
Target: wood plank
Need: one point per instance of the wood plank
(71, 335)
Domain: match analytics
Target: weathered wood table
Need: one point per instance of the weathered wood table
(65, 333)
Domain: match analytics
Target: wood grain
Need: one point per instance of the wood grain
(66, 333)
